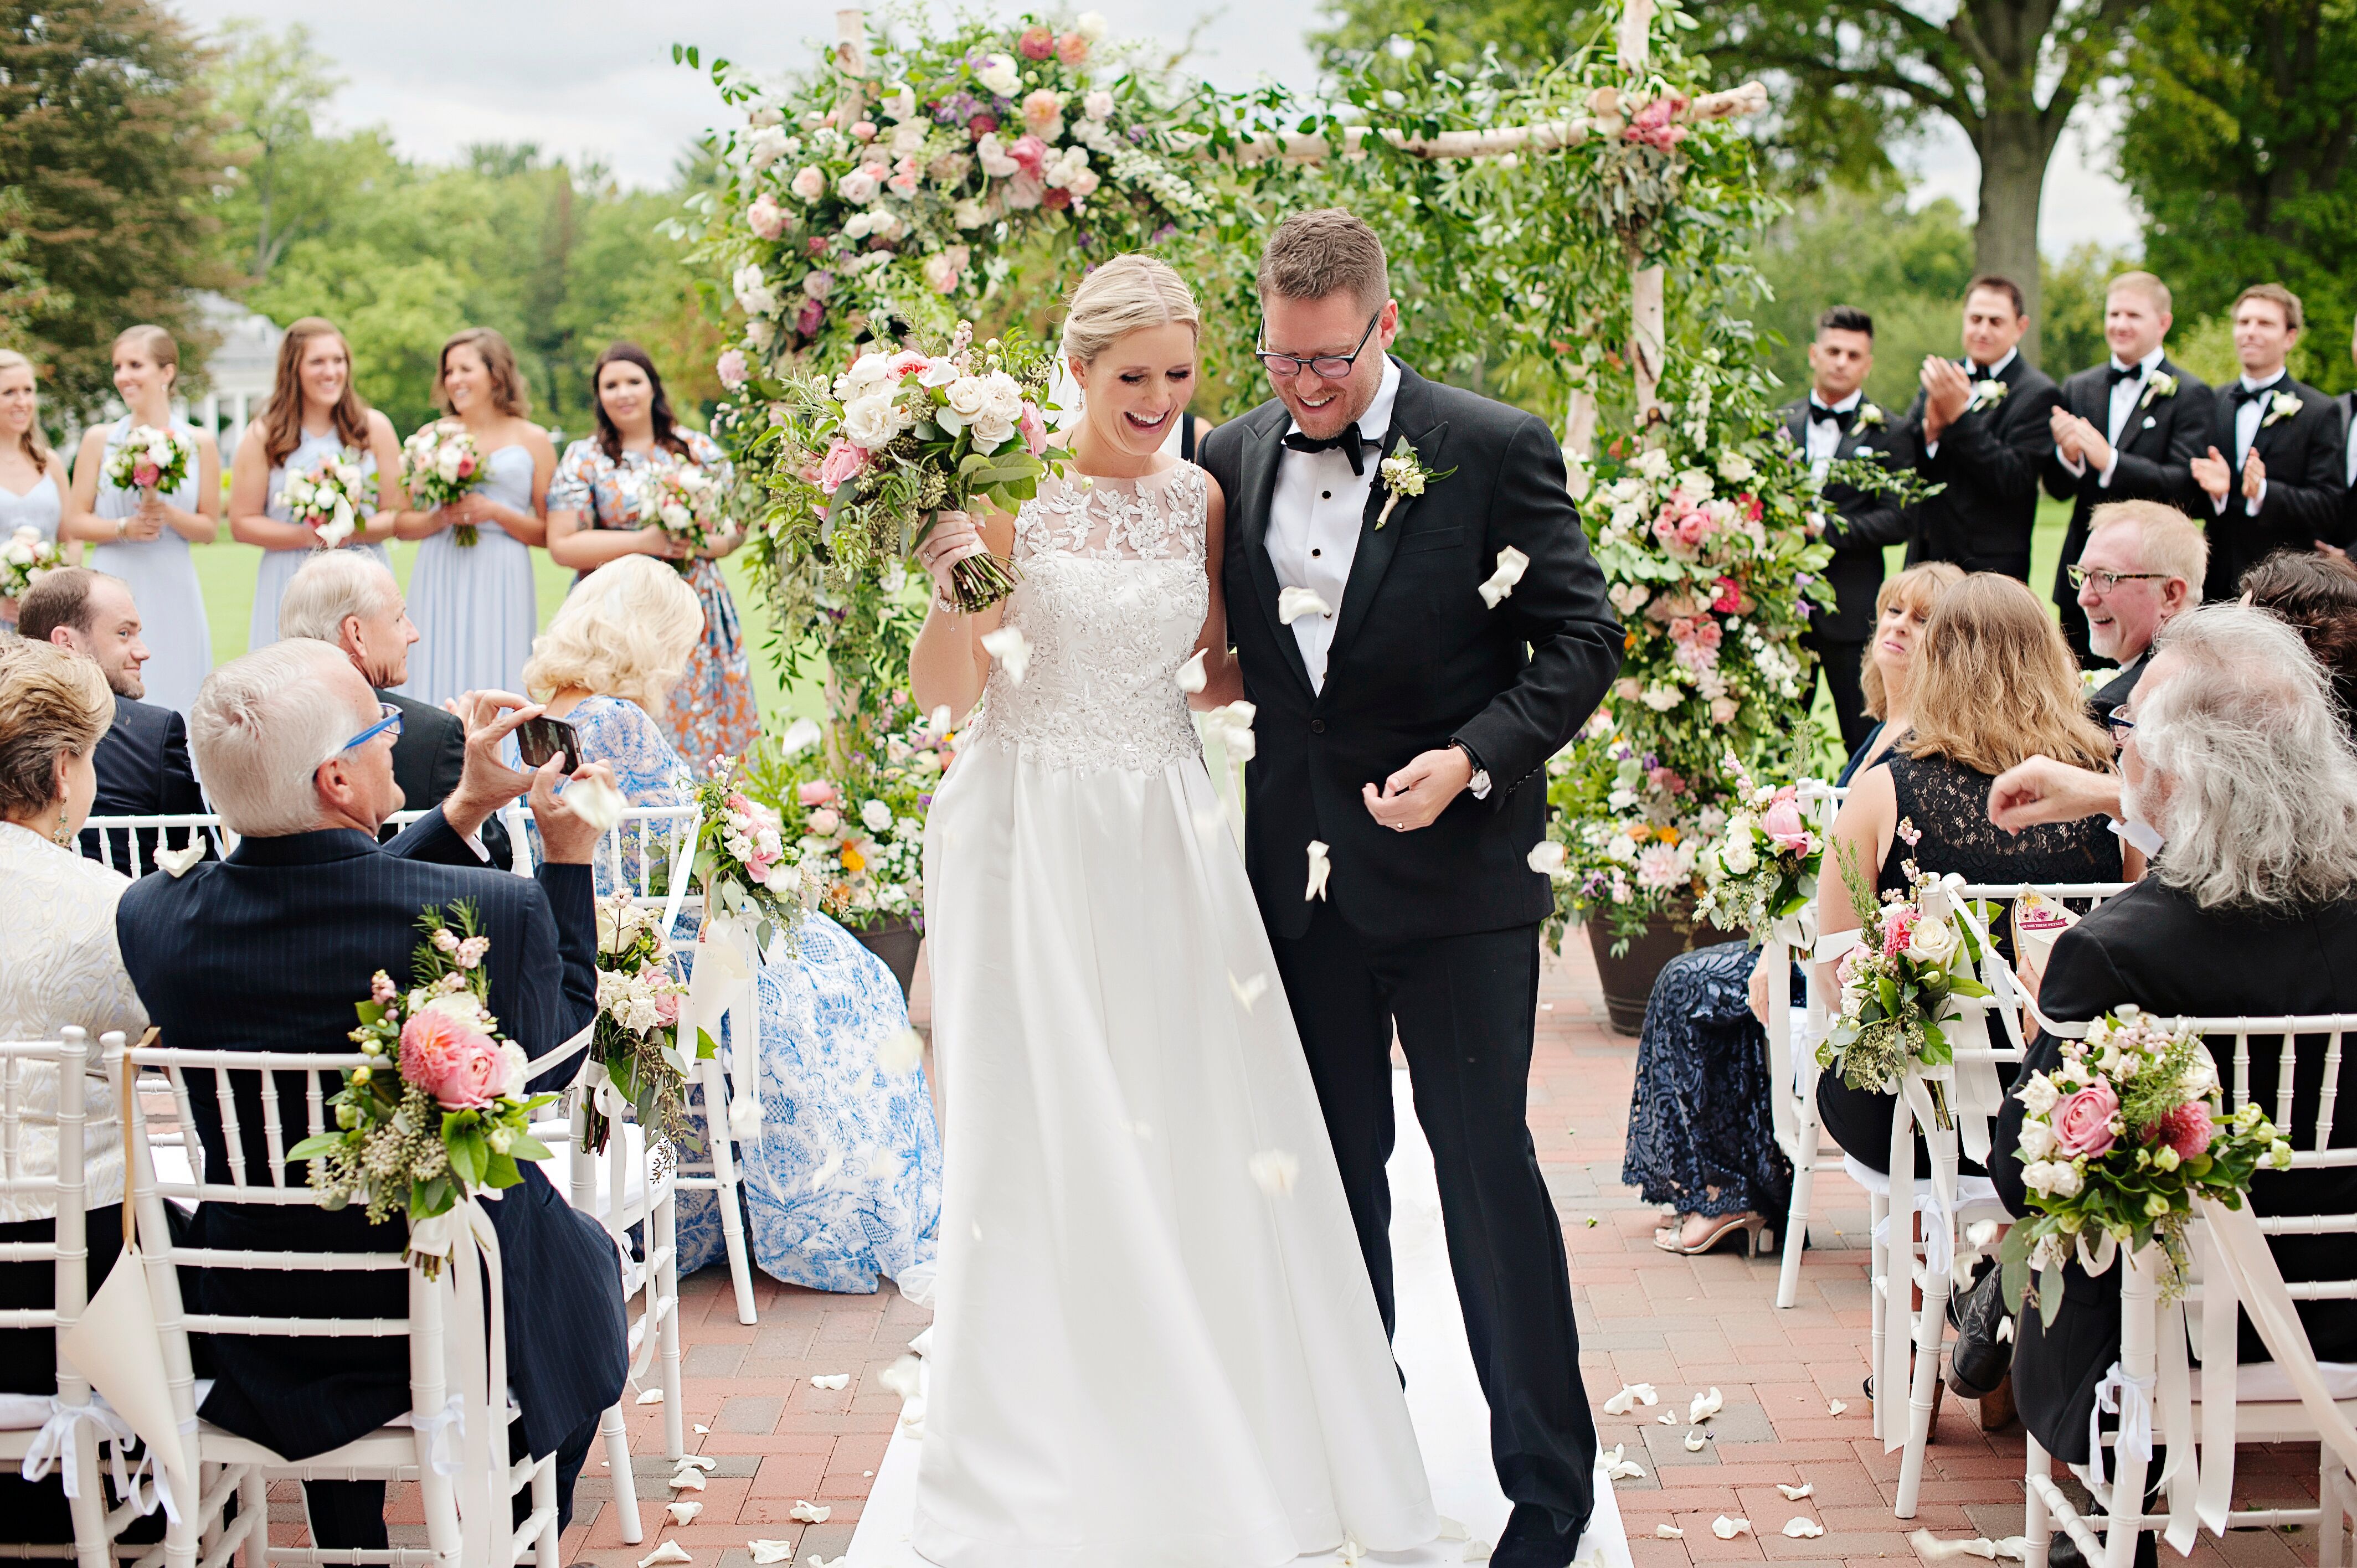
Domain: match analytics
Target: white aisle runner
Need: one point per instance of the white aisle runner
(1444, 1399)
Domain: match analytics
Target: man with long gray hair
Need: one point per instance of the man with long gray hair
(271, 949)
(2236, 775)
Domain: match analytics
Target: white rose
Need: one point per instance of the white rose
(1734, 467)
(1622, 848)
(1098, 104)
(908, 138)
(968, 396)
(2039, 1096)
(859, 186)
(2037, 1140)
(1934, 943)
(998, 74)
(876, 815)
(446, 465)
(1696, 483)
(991, 153)
(1738, 854)
(1653, 463)
(870, 421)
(969, 214)
(765, 146)
(515, 1069)
(1004, 398)
(2063, 1179)
(867, 373)
(1091, 25)
(808, 183)
(990, 431)
(752, 291)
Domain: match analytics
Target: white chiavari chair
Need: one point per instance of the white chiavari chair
(121, 839)
(1792, 1039)
(464, 1477)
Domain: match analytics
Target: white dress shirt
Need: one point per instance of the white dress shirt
(2246, 430)
(1315, 517)
(1823, 438)
(1975, 374)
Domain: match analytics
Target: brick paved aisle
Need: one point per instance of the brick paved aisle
(1644, 1316)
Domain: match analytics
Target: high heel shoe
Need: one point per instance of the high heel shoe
(1757, 1237)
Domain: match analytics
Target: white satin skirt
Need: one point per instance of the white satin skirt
(1149, 1348)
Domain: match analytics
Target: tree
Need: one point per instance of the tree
(269, 86)
(105, 129)
(2237, 144)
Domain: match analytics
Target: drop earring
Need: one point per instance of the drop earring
(60, 836)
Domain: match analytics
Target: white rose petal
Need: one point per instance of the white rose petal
(1319, 869)
(684, 1512)
(1546, 858)
(768, 1551)
(1803, 1528)
(1795, 1494)
(1695, 1440)
(1011, 649)
(1834, 1407)
(1630, 1396)
(1292, 604)
(1728, 1529)
(808, 1512)
(687, 1481)
(651, 1396)
(1191, 678)
(1512, 563)
(669, 1551)
(835, 1380)
(901, 1053)
(1617, 1468)
(1247, 991)
(1705, 1405)
(1669, 1532)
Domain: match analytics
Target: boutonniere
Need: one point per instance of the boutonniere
(1404, 474)
(2160, 383)
(1987, 394)
(1868, 417)
(2283, 405)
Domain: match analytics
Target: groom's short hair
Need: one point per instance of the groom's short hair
(1313, 254)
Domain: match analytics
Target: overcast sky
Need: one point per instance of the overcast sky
(595, 76)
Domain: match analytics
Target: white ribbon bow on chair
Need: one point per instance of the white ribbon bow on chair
(58, 1445)
(1978, 1095)
(463, 1237)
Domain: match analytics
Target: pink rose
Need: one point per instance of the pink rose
(466, 465)
(2187, 1129)
(1025, 190)
(823, 822)
(864, 130)
(817, 792)
(145, 475)
(1668, 780)
(667, 1007)
(1037, 43)
(732, 369)
(1073, 48)
(1693, 528)
(2083, 1123)
(765, 217)
(1034, 429)
(1029, 151)
(459, 1067)
(1083, 184)
(808, 183)
(844, 461)
(1655, 124)
(1782, 825)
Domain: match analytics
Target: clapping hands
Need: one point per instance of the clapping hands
(2079, 440)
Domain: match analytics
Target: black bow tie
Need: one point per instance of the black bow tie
(1840, 418)
(1348, 440)
(2239, 394)
(2132, 373)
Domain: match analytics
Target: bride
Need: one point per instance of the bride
(1156, 1343)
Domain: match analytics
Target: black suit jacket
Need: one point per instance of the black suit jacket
(1861, 523)
(269, 949)
(142, 763)
(2107, 698)
(426, 762)
(2156, 449)
(2155, 947)
(1989, 460)
(1417, 661)
(2308, 486)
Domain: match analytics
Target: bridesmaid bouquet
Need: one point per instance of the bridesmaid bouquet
(25, 560)
(438, 1113)
(683, 500)
(328, 498)
(902, 437)
(2117, 1142)
(150, 460)
(1897, 983)
(636, 1038)
(438, 465)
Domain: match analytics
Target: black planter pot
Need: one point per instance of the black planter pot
(896, 943)
(1627, 980)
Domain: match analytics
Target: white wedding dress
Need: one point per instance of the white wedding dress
(1147, 1350)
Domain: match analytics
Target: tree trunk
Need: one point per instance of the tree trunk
(2014, 149)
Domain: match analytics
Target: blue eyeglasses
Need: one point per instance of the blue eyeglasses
(389, 722)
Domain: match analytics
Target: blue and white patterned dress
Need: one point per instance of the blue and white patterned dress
(278, 566)
(473, 604)
(832, 1120)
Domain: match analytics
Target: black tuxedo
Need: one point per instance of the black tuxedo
(1433, 932)
(2159, 442)
(2308, 486)
(2155, 947)
(1859, 525)
(1989, 460)
(142, 763)
(268, 951)
(2107, 698)
(426, 762)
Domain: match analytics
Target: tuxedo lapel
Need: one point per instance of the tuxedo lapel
(1796, 426)
(1262, 453)
(1411, 422)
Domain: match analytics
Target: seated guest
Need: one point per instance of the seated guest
(1700, 1136)
(269, 949)
(609, 662)
(2238, 761)
(58, 965)
(346, 598)
(2143, 562)
(143, 761)
(1992, 682)
(2316, 594)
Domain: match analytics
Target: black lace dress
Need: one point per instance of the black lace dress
(1947, 803)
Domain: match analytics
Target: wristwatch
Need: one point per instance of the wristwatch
(1478, 785)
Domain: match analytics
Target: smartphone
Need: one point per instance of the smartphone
(542, 738)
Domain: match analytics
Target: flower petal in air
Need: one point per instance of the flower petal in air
(769, 1552)
(1728, 1529)
(901, 1052)
(835, 1380)
(1803, 1528)
(1276, 1170)
(595, 802)
(669, 1551)
(1512, 563)
(178, 860)
(1545, 857)
(1248, 992)
(1795, 1494)
(1191, 678)
(1292, 604)
(809, 1514)
(1011, 649)
(1705, 1406)
(1319, 870)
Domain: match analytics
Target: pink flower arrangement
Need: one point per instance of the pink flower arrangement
(2083, 1122)
(1038, 42)
(843, 461)
(1043, 112)
(765, 217)
(461, 1067)
(825, 821)
(1655, 125)
(732, 369)
(863, 130)
(1898, 928)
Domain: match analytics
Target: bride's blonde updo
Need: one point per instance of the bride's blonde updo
(1126, 294)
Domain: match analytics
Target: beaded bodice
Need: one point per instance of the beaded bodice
(1112, 601)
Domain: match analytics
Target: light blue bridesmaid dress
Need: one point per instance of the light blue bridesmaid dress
(37, 509)
(163, 579)
(474, 605)
(279, 566)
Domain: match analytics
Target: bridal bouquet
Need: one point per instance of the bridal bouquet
(2117, 1142)
(25, 560)
(902, 436)
(148, 458)
(439, 1111)
(749, 868)
(1763, 868)
(1897, 983)
(328, 498)
(683, 500)
(636, 1037)
(438, 465)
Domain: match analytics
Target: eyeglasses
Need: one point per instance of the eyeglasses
(1330, 367)
(2121, 724)
(390, 723)
(2106, 581)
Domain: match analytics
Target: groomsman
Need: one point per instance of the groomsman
(2274, 475)
(2125, 431)
(1982, 427)
(1833, 423)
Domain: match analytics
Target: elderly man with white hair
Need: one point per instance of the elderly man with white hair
(270, 949)
(2237, 774)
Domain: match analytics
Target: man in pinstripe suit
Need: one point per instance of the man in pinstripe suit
(269, 949)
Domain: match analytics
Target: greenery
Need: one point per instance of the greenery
(106, 155)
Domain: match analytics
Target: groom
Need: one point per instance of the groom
(1403, 734)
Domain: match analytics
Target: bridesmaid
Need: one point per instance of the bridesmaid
(474, 605)
(32, 477)
(144, 537)
(591, 521)
(314, 412)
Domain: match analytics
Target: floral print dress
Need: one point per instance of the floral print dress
(713, 712)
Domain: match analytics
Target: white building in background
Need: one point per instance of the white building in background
(239, 373)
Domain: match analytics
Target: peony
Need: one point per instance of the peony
(1098, 104)
(817, 792)
(1897, 929)
(1043, 116)
(457, 1065)
(1073, 48)
(2083, 1123)
(765, 217)
(1037, 42)
(1030, 153)
(859, 186)
(826, 822)
(876, 815)
(1660, 866)
(844, 462)
(1728, 599)
(732, 369)
(2188, 1130)
(943, 269)
(1783, 823)
(999, 74)
(808, 183)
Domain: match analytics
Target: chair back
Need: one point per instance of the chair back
(55, 1180)
(128, 844)
(649, 853)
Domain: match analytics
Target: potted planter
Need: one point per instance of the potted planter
(1627, 980)
(895, 942)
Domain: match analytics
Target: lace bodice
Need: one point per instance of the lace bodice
(1112, 602)
(1948, 804)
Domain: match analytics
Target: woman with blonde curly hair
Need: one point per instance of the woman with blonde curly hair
(842, 1182)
